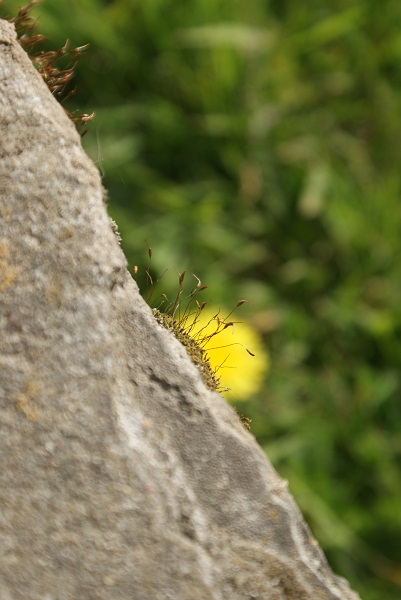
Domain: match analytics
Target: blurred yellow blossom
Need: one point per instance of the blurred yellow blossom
(228, 355)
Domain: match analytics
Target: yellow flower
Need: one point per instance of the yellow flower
(226, 348)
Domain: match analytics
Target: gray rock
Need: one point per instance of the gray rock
(122, 476)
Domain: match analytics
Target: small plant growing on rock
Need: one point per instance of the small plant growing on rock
(194, 324)
(57, 67)
(183, 317)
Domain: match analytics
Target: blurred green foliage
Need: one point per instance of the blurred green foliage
(257, 143)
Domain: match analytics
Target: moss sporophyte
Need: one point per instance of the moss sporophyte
(57, 67)
(211, 340)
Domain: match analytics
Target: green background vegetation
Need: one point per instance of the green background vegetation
(258, 144)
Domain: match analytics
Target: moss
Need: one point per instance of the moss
(57, 67)
(197, 354)
(195, 351)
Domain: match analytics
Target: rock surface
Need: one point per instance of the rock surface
(121, 476)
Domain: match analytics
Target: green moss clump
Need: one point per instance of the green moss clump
(196, 353)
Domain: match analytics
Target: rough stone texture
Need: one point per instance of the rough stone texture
(121, 476)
